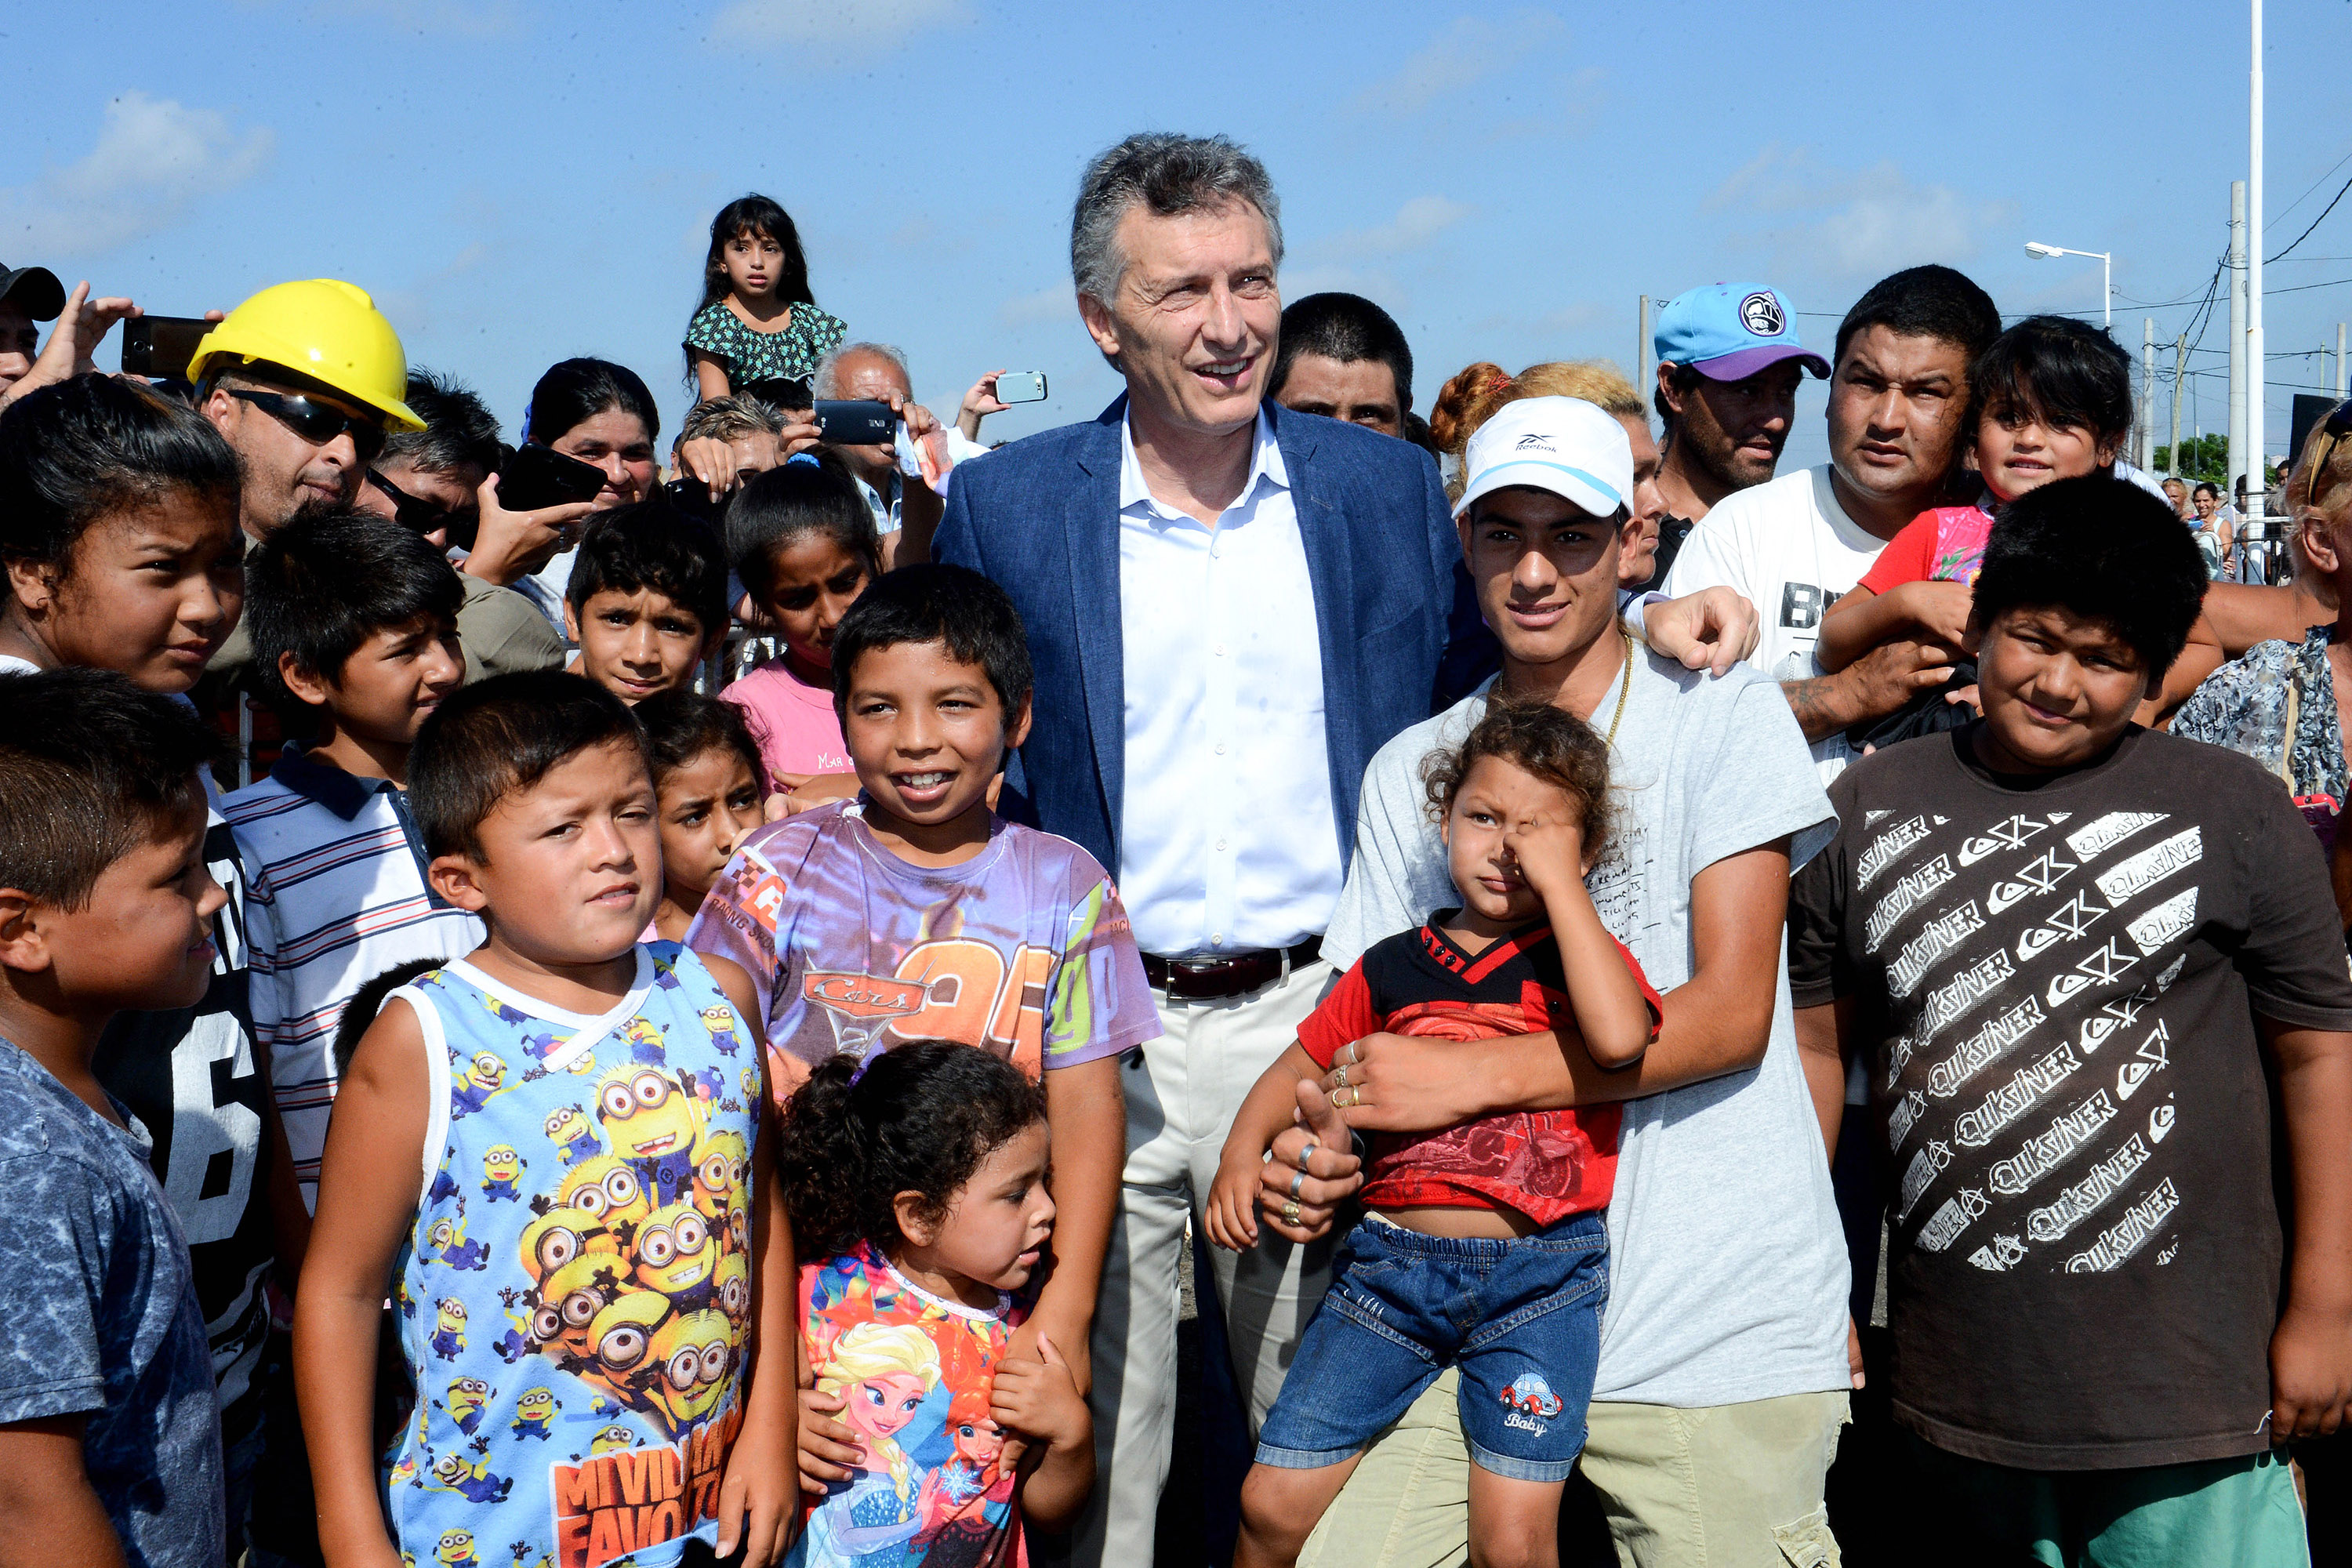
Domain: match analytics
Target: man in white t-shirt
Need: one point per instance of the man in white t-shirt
(1723, 1378)
(1898, 415)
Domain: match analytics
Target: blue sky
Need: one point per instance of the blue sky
(517, 181)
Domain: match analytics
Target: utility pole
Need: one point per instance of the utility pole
(2179, 361)
(2236, 464)
(2257, 476)
(2339, 362)
(2145, 456)
(1642, 349)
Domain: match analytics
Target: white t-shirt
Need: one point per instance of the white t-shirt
(1727, 1269)
(1791, 550)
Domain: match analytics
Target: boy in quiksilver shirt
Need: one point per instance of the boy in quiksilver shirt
(2078, 958)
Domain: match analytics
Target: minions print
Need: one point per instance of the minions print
(576, 1287)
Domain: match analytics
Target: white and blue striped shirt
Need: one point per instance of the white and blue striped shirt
(336, 896)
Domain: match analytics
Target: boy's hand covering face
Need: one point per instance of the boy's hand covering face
(2057, 690)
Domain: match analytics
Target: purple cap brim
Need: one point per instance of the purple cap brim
(1746, 363)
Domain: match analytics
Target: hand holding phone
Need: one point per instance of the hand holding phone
(856, 423)
(1020, 387)
(539, 475)
(161, 346)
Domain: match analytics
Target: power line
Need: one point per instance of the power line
(2315, 224)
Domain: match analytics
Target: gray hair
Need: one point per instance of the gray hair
(1170, 174)
(730, 417)
(826, 383)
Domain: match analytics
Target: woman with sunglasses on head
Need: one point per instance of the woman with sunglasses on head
(2282, 703)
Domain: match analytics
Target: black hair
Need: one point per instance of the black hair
(1347, 328)
(953, 605)
(916, 1117)
(2205, 488)
(1684, 378)
(776, 510)
(574, 391)
(497, 736)
(2102, 549)
(459, 428)
(92, 767)
(358, 1012)
(1925, 302)
(652, 545)
(681, 725)
(328, 580)
(95, 444)
(2071, 373)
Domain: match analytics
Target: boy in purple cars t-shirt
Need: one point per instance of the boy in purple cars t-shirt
(915, 912)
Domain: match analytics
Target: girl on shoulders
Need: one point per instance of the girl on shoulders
(758, 328)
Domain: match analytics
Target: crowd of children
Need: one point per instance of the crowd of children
(691, 1125)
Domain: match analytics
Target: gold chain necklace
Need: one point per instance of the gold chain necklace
(1624, 687)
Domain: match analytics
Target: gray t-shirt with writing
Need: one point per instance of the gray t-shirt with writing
(99, 1318)
(1727, 1268)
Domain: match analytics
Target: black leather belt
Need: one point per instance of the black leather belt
(1202, 979)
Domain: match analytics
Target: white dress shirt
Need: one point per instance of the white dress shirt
(1227, 840)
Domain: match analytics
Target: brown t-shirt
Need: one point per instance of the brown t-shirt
(2056, 979)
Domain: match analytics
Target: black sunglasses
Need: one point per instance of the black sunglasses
(317, 423)
(2336, 427)
(418, 516)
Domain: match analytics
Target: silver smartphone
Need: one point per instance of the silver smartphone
(1020, 387)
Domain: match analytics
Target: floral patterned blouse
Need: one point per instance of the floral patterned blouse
(2277, 705)
(748, 355)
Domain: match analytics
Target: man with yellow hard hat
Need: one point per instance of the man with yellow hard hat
(304, 380)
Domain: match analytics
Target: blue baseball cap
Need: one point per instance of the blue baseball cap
(1729, 331)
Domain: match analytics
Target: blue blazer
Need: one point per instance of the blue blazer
(1040, 518)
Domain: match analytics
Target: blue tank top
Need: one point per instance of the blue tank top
(576, 1293)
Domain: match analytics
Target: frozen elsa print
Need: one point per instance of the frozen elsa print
(883, 1372)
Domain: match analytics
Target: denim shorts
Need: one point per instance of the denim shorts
(1520, 1318)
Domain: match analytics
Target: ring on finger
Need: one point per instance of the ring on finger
(1308, 1152)
(1298, 1182)
(1290, 1212)
(1340, 1077)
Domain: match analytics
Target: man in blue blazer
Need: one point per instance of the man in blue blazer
(1230, 607)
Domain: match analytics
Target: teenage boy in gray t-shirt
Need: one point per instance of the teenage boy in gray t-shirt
(1727, 1267)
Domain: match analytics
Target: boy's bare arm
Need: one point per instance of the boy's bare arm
(369, 1185)
(1861, 620)
(1087, 1115)
(1821, 1046)
(54, 1514)
(2311, 1352)
(1271, 1105)
(757, 1494)
(1716, 1021)
(2199, 658)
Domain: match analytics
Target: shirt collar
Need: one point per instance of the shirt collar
(1266, 464)
(345, 795)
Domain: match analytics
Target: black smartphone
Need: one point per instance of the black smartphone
(161, 346)
(539, 475)
(856, 424)
(692, 497)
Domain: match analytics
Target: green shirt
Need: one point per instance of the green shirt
(748, 355)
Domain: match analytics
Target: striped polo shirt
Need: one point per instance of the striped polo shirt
(336, 895)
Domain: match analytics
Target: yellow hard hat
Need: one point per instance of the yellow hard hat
(325, 329)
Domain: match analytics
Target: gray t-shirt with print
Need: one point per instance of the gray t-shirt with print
(99, 1304)
(1727, 1268)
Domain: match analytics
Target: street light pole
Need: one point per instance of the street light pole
(2106, 261)
(2255, 366)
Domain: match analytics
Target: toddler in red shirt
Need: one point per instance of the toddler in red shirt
(1504, 1212)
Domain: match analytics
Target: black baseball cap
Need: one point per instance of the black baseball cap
(36, 288)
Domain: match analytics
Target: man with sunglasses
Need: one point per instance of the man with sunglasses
(303, 436)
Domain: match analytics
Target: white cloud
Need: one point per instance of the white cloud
(1416, 223)
(155, 159)
(1471, 49)
(1852, 222)
(1055, 303)
(832, 32)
